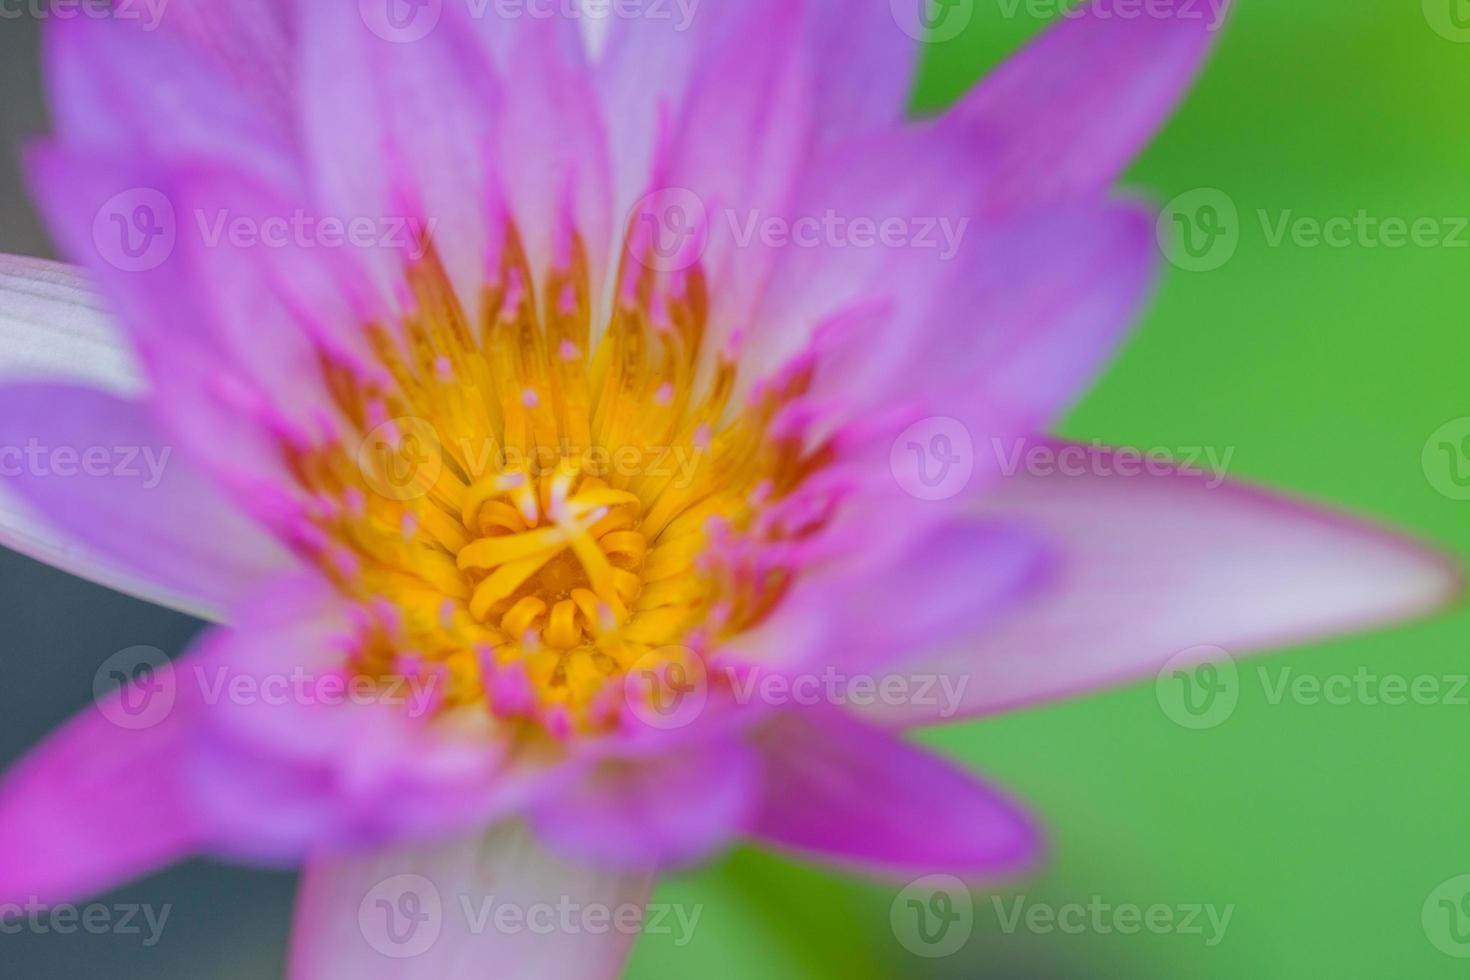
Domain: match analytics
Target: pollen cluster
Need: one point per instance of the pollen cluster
(532, 510)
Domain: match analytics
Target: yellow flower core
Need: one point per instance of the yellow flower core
(529, 512)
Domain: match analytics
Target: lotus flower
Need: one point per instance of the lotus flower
(540, 410)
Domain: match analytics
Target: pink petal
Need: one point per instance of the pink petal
(655, 811)
(152, 93)
(885, 604)
(1150, 566)
(992, 346)
(253, 40)
(840, 790)
(402, 130)
(292, 760)
(350, 922)
(103, 799)
(556, 166)
(1071, 111)
(98, 468)
(864, 68)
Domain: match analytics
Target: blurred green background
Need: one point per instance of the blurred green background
(1326, 371)
(1323, 370)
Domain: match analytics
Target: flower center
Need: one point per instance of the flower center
(531, 516)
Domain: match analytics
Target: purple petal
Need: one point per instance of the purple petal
(141, 93)
(884, 604)
(401, 130)
(1150, 566)
(1070, 112)
(100, 470)
(254, 40)
(652, 812)
(103, 799)
(304, 761)
(840, 790)
(351, 925)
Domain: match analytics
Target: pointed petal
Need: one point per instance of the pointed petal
(101, 800)
(884, 604)
(153, 94)
(402, 130)
(1070, 112)
(840, 790)
(864, 68)
(99, 470)
(1152, 565)
(254, 40)
(349, 924)
(311, 758)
